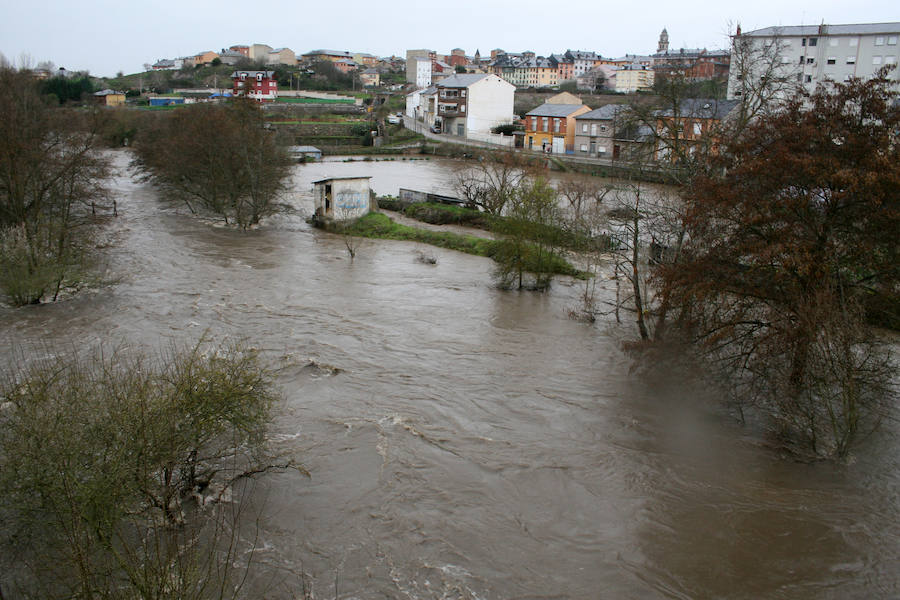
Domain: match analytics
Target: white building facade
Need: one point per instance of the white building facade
(471, 105)
(423, 72)
(810, 55)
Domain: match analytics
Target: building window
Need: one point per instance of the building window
(810, 60)
(876, 60)
(545, 124)
(803, 42)
(556, 125)
(879, 41)
(584, 128)
(812, 41)
(854, 42)
(584, 147)
(809, 79)
(698, 128)
(892, 41)
(831, 60)
(833, 42)
(851, 60)
(890, 60)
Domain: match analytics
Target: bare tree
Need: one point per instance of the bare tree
(761, 76)
(221, 158)
(490, 181)
(50, 176)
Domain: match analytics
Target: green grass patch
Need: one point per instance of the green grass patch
(380, 226)
(445, 214)
(450, 214)
(315, 100)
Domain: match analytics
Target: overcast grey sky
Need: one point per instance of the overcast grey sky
(106, 36)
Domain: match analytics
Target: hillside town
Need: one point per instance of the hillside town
(472, 97)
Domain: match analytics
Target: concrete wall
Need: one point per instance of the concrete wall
(349, 199)
(411, 56)
(490, 103)
(259, 52)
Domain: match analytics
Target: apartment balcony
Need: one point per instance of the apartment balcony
(451, 110)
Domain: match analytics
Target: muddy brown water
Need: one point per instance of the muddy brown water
(465, 442)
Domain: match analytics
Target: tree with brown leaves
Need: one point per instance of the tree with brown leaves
(791, 236)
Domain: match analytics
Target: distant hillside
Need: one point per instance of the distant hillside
(164, 81)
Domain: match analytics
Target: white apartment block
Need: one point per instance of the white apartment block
(470, 105)
(816, 54)
(423, 72)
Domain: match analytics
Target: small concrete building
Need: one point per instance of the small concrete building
(304, 152)
(342, 198)
(110, 98)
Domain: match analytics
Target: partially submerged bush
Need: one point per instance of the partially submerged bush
(99, 456)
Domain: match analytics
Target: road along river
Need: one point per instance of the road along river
(465, 442)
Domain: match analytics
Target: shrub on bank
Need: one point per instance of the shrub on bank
(380, 226)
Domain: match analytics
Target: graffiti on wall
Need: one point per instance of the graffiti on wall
(351, 201)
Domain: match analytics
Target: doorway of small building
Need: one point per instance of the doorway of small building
(615, 151)
(460, 130)
(530, 142)
(328, 199)
(559, 145)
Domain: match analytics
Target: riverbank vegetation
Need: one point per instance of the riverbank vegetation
(220, 158)
(52, 196)
(534, 259)
(113, 466)
(780, 259)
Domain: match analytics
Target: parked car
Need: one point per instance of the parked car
(393, 119)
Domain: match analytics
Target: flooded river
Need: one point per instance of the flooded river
(465, 442)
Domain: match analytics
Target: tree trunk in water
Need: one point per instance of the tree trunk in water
(635, 279)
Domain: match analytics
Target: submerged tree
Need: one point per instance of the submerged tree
(218, 157)
(490, 182)
(532, 229)
(791, 236)
(110, 468)
(51, 178)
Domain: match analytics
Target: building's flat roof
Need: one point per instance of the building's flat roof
(342, 178)
(852, 29)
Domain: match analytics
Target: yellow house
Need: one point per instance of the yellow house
(110, 98)
(205, 57)
(551, 127)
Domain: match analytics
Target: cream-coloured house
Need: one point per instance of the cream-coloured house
(281, 56)
(634, 77)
